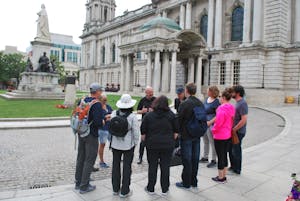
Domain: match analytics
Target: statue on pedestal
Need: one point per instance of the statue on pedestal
(53, 66)
(29, 66)
(43, 64)
(43, 25)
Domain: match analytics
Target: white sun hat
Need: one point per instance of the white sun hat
(126, 102)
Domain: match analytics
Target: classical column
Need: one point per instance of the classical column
(122, 82)
(128, 71)
(191, 70)
(199, 75)
(257, 21)
(218, 24)
(102, 14)
(78, 58)
(173, 72)
(149, 69)
(157, 72)
(165, 14)
(165, 73)
(182, 16)
(297, 22)
(211, 17)
(87, 20)
(188, 22)
(247, 22)
(93, 57)
(83, 55)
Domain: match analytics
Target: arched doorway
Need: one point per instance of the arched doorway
(190, 57)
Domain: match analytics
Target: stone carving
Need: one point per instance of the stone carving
(29, 66)
(43, 64)
(43, 25)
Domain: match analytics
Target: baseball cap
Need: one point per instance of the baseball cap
(95, 87)
(179, 90)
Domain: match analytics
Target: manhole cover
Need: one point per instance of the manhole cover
(36, 186)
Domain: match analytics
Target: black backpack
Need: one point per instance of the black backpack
(119, 125)
(197, 125)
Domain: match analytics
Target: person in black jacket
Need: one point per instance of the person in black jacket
(180, 98)
(159, 132)
(145, 106)
(190, 147)
(88, 146)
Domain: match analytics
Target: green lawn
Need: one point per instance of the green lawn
(2, 91)
(40, 108)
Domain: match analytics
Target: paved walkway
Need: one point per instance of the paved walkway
(266, 175)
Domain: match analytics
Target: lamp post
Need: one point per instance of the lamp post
(209, 63)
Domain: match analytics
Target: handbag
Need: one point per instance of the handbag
(234, 138)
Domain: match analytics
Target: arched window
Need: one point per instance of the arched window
(103, 54)
(237, 24)
(203, 26)
(113, 49)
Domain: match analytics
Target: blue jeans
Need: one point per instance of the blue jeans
(190, 153)
(235, 154)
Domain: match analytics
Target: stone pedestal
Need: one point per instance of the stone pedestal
(37, 85)
(70, 91)
(38, 48)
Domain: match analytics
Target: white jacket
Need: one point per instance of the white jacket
(131, 139)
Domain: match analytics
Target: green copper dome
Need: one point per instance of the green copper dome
(171, 24)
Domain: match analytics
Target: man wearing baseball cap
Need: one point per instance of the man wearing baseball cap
(180, 97)
(88, 146)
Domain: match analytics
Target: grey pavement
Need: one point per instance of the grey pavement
(266, 175)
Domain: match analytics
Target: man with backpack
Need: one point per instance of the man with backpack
(88, 145)
(192, 125)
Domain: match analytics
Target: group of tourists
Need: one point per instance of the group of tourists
(221, 125)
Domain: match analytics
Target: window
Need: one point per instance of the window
(137, 78)
(119, 77)
(105, 14)
(139, 55)
(203, 26)
(222, 73)
(103, 54)
(237, 24)
(236, 72)
(112, 77)
(55, 53)
(114, 53)
(107, 77)
(72, 57)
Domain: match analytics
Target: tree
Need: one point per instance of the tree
(59, 68)
(11, 66)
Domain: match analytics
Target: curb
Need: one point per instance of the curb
(283, 134)
(33, 119)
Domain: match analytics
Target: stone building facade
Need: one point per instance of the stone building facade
(255, 43)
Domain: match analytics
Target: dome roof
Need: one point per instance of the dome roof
(168, 23)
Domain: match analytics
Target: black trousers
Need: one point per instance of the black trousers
(221, 147)
(86, 157)
(142, 149)
(162, 157)
(116, 170)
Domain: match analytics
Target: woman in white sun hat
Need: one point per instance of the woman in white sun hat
(124, 146)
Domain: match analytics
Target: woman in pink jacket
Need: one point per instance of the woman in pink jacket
(222, 133)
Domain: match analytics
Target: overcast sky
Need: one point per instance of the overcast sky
(18, 18)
